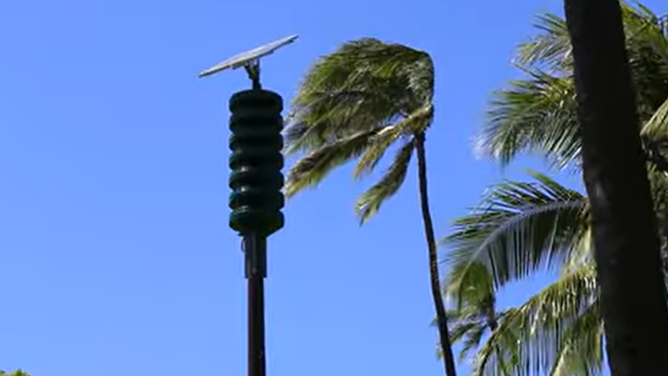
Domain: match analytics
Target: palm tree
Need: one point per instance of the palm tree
(355, 104)
(539, 114)
(518, 228)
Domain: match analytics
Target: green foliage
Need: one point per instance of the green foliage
(356, 104)
(558, 331)
(522, 227)
(369, 202)
(517, 228)
(536, 114)
(15, 373)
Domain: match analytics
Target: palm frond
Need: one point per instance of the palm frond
(471, 341)
(469, 334)
(418, 121)
(644, 27)
(330, 116)
(355, 103)
(654, 137)
(530, 338)
(370, 201)
(582, 254)
(650, 75)
(471, 290)
(470, 321)
(657, 125)
(581, 351)
(659, 188)
(460, 328)
(466, 329)
(537, 114)
(363, 85)
(550, 49)
(518, 227)
(314, 167)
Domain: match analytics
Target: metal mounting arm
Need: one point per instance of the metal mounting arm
(253, 70)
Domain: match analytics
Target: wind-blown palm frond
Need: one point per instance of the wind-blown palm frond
(654, 137)
(541, 335)
(370, 201)
(581, 352)
(648, 62)
(471, 341)
(657, 125)
(417, 121)
(646, 29)
(474, 312)
(521, 226)
(534, 115)
(471, 290)
(659, 188)
(467, 328)
(355, 104)
(311, 169)
(549, 49)
(365, 84)
(518, 227)
(582, 254)
(332, 115)
(537, 113)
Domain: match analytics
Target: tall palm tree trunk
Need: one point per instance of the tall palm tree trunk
(633, 295)
(441, 318)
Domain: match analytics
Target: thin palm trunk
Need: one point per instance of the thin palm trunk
(441, 318)
(628, 263)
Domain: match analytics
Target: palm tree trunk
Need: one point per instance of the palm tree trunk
(632, 292)
(441, 318)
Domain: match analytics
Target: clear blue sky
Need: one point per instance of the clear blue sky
(114, 246)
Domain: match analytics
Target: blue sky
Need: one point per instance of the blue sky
(114, 246)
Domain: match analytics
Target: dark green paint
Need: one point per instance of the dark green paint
(256, 162)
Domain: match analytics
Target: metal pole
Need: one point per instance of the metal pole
(255, 249)
(251, 148)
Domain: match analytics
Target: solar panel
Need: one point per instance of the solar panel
(248, 57)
